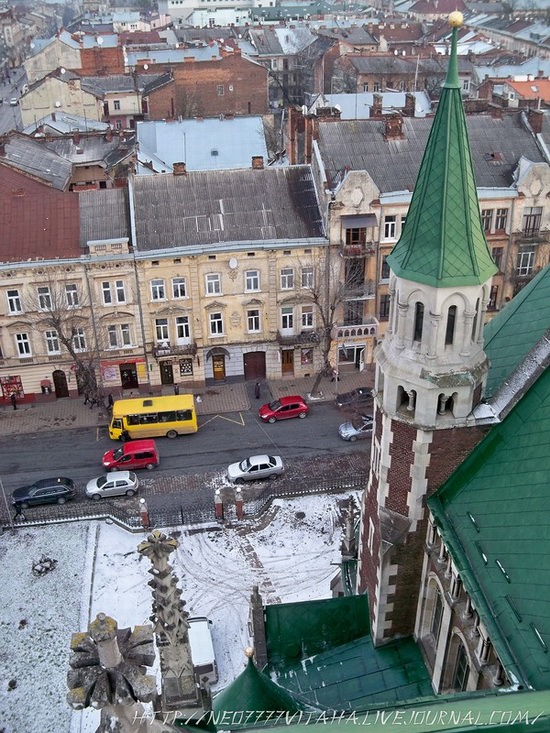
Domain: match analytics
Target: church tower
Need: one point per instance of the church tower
(431, 367)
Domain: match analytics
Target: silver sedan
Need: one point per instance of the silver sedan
(116, 483)
(254, 468)
(357, 429)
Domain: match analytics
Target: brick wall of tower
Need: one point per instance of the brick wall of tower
(399, 474)
(447, 451)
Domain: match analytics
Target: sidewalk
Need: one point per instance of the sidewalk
(66, 413)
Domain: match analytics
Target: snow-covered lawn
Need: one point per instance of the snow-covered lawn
(99, 570)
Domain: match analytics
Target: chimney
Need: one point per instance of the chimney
(496, 111)
(535, 120)
(109, 135)
(410, 105)
(53, 116)
(393, 128)
(179, 169)
(76, 138)
(258, 162)
(376, 110)
(2, 149)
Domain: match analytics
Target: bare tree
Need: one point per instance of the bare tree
(336, 286)
(61, 310)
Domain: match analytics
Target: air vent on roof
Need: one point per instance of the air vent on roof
(214, 151)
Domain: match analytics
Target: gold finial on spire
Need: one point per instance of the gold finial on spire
(456, 19)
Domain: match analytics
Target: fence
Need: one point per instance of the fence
(199, 512)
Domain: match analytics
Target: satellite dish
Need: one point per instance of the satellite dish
(58, 104)
(100, 41)
(62, 69)
(145, 66)
(233, 264)
(304, 109)
(337, 106)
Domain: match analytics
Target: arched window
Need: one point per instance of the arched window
(450, 330)
(418, 321)
(474, 324)
(437, 615)
(461, 670)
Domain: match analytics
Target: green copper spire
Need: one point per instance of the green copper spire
(442, 243)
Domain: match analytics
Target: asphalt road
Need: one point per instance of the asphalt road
(222, 439)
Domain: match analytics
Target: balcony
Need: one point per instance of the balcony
(359, 331)
(305, 338)
(361, 291)
(166, 349)
(358, 249)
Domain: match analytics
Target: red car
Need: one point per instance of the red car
(283, 408)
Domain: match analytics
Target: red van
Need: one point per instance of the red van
(131, 455)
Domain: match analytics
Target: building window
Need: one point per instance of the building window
(179, 289)
(253, 321)
(111, 334)
(71, 294)
(186, 367)
(287, 278)
(376, 86)
(306, 357)
(390, 226)
(287, 319)
(79, 339)
(497, 253)
(307, 316)
(384, 307)
(462, 670)
(125, 336)
(418, 321)
(52, 342)
(116, 104)
(161, 329)
(183, 333)
(107, 295)
(437, 615)
(450, 329)
(366, 86)
(532, 216)
(252, 280)
(526, 258)
(501, 220)
(307, 277)
(385, 268)
(486, 219)
(157, 290)
(119, 290)
(220, 91)
(213, 284)
(44, 299)
(14, 301)
(216, 324)
(356, 236)
(493, 298)
(23, 344)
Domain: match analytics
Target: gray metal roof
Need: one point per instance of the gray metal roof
(208, 144)
(497, 145)
(62, 123)
(111, 83)
(103, 215)
(213, 207)
(358, 106)
(171, 55)
(34, 158)
(94, 148)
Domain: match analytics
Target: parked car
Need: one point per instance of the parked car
(56, 490)
(202, 649)
(14, 101)
(356, 429)
(133, 454)
(254, 468)
(355, 397)
(283, 408)
(117, 483)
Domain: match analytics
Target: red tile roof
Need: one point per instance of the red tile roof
(535, 89)
(37, 222)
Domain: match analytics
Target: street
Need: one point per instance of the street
(222, 439)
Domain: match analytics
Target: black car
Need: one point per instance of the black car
(55, 490)
(355, 397)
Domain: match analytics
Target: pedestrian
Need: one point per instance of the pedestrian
(335, 377)
(110, 401)
(86, 397)
(257, 390)
(176, 389)
(125, 435)
(94, 401)
(14, 400)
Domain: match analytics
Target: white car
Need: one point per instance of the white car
(14, 101)
(254, 468)
(116, 483)
(356, 429)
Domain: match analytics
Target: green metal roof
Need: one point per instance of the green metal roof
(494, 514)
(295, 631)
(357, 674)
(252, 691)
(522, 322)
(442, 243)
